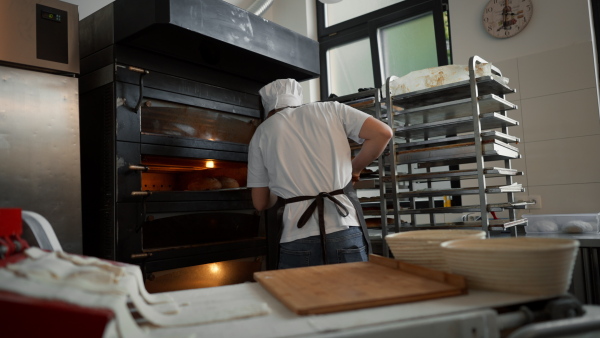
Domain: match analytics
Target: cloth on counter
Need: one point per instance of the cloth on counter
(90, 282)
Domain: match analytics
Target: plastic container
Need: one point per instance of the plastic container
(563, 223)
(422, 247)
(526, 265)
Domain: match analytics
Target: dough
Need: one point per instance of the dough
(577, 227)
(228, 182)
(204, 183)
(542, 226)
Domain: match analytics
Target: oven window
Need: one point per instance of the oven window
(172, 119)
(186, 174)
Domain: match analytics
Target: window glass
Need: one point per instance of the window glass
(408, 45)
(350, 9)
(174, 119)
(350, 67)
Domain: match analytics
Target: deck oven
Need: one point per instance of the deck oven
(169, 102)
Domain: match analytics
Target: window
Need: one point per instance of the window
(350, 9)
(362, 43)
(415, 32)
(350, 67)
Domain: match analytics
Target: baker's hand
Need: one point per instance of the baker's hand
(355, 178)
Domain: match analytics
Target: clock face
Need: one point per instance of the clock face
(506, 18)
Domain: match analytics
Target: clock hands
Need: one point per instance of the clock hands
(506, 12)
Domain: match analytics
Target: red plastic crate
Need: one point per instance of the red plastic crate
(10, 222)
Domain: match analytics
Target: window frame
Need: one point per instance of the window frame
(367, 26)
(595, 8)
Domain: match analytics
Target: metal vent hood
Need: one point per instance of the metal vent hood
(215, 34)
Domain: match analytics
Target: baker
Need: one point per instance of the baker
(299, 162)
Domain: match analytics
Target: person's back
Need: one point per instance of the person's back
(299, 160)
(320, 160)
(306, 152)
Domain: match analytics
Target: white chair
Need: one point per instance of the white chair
(42, 230)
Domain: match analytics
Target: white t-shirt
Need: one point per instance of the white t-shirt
(304, 151)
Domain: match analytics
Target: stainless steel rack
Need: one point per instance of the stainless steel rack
(448, 125)
(444, 126)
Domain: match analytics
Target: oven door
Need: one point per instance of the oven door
(181, 166)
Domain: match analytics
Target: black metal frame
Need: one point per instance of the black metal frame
(596, 22)
(366, 26)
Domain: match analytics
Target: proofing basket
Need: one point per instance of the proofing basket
(536, 266)
(422, 247)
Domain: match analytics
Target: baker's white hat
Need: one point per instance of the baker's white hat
(281, 93)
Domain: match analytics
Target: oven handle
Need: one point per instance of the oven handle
(141, 193)
(141, 255)
(138, 167)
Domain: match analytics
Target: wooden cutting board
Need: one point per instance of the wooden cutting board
(349, 286)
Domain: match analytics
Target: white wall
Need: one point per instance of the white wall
(555, 24)
(552, 66)
(87, 7)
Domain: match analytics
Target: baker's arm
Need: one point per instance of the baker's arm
(376, 135)
(262, 198)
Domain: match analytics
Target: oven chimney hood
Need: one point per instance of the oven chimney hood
(211, 33)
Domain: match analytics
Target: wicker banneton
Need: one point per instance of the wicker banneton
(537, 266)
(422, 247)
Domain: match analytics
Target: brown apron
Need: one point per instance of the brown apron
(275, 219)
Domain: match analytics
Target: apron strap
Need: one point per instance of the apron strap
(319, 205)
(276, 216)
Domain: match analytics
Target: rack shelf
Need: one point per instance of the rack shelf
(454, 91)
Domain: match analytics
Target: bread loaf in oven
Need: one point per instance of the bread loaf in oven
(204, 183)
(228, 182)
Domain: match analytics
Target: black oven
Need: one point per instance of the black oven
(168, 106)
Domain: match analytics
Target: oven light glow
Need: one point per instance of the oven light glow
(214, 268)
(210, 164)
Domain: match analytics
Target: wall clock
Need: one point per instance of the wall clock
(506, 18)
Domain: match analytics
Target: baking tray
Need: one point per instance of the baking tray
(457, 151)
(496, 207)
(458, 174)
(453, 127)
(364, 101)
(494, 225)
(350, 286)
(456, 209)
(486, 135)
(515, 187)
(452, 110)
(452, 91)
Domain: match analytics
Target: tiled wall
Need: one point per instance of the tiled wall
(559, 130)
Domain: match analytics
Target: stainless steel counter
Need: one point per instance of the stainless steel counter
(470, 315)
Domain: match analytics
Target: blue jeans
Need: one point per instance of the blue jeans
(342, 247)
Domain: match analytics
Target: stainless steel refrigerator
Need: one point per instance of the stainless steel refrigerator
(39, 114)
